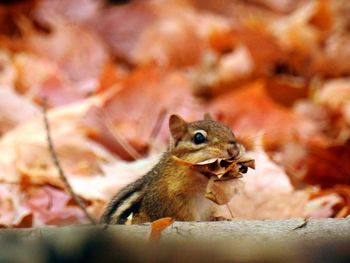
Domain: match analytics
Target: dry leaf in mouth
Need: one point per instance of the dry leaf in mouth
(221, 192)
(223, 176)
(221, 168)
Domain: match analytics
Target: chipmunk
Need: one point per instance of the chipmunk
(171, 189)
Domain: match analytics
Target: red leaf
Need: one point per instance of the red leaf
(327, 166)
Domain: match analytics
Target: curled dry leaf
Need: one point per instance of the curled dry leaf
(223, 169)
(223, 175)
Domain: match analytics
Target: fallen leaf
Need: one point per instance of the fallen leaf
(14, 109)
(50, 206)
(158, 226)
(122, 27)
(323, 206)
(112, 74)
(323, 165)
(49, 81)
(338, 89)
(334, 202)
(8, 72)
(80, 11)
(79, 52)
(169, 41)
(13, 213)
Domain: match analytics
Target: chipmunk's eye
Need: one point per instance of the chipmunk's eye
(199, 137)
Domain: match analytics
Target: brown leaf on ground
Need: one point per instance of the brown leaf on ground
(27, 157)
(95, 174)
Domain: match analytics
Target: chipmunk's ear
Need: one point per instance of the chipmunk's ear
(177, 126)
(207, 117)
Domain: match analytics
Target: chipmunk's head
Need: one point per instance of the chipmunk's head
(202, 140)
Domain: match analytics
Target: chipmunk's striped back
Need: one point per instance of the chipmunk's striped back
(125, 203)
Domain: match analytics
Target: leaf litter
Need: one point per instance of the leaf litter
(275, 70)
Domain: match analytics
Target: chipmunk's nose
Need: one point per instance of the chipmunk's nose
(233, 151)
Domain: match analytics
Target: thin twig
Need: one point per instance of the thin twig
(302, 225)
(229, 209)
(60, 170)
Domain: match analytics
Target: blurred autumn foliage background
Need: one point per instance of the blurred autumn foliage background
(277, 72)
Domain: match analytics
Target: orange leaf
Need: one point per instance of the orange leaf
(158, 226)
(323, 18)
(259, 112)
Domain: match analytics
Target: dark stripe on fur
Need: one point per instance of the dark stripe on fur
(124, 216)
(119, 199)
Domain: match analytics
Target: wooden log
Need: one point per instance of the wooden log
(295, 240)
(243, 230)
